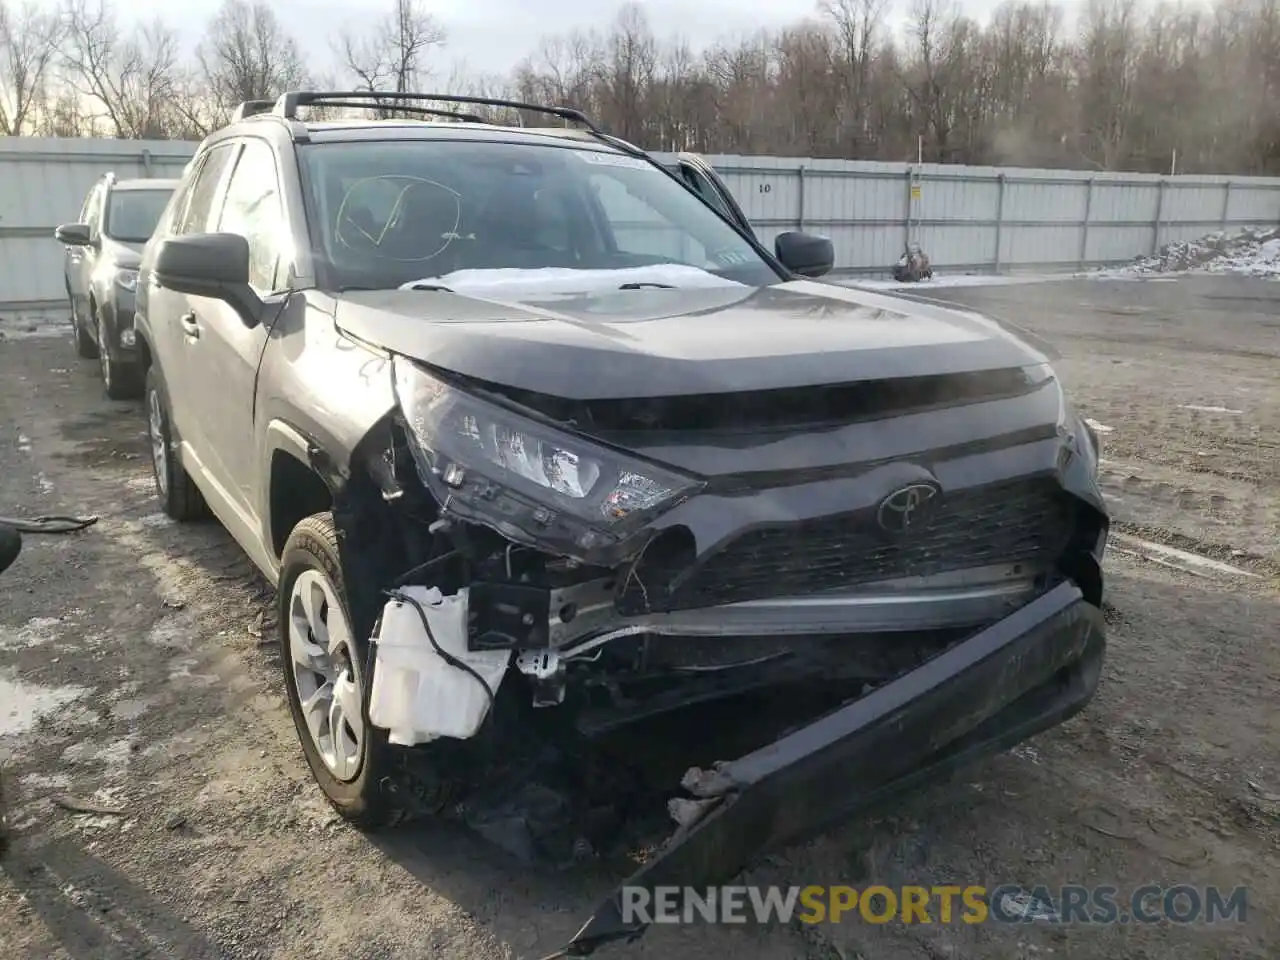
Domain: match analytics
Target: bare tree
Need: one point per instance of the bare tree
(857, 26)
(28, 43)
(395, 54)
(131, 79)
(247, 56)
(1106, 71)
(563, 70)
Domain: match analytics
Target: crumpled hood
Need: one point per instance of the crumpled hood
(658, 342)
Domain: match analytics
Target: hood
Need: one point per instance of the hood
(680, 342)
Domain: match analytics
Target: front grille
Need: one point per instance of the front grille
(1019, 522)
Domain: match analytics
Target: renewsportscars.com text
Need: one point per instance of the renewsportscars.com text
(973, 904)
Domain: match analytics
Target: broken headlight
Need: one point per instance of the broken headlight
(531, 482)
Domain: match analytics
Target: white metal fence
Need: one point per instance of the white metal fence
(968, 219)
(44, 182)
(990, 219)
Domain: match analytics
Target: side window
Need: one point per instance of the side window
(705, 189)
(88, 205)
(94, 206)
(252, 209)
(197, 216)
(641, 230)
(171, 220)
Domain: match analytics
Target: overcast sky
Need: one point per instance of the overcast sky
(491, 36)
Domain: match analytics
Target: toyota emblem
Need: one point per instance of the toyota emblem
(908, 507)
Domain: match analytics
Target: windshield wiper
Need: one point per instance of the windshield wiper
(646, 285)
(431, 287)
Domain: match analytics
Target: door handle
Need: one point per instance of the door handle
(189, 325)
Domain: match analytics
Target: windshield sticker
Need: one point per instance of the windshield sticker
(615, 160)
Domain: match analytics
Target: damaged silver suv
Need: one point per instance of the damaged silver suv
(523, 424)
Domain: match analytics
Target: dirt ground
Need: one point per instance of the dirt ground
(139, 645)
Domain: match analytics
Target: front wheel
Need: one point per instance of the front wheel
(324, 677)
(122, 381)
(86, 348)
(178, 494)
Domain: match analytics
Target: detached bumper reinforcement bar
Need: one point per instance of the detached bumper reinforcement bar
(1024, 674)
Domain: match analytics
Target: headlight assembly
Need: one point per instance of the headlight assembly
(532, 482)
(127, 280)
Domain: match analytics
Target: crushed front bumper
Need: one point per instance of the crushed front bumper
(1025, 673)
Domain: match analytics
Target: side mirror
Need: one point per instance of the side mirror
(74, 234)
(10, 546)
(212, 265)
(805, 253)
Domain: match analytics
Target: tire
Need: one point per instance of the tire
(179, 496)
(122, 381)
(311, 552)
(86, 348)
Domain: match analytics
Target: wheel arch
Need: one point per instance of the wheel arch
(299, 482)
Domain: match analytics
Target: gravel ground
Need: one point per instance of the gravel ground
(140, 645)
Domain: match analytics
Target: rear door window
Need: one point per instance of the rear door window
(198, 216)
(252, 209)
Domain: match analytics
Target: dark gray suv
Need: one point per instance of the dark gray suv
(100, 273)
(539, 443)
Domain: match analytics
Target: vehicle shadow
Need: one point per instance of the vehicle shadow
(536, 910)
(92, 910)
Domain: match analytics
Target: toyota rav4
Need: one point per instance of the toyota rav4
(101, 274)
(521, 422)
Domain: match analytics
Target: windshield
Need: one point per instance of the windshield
(473, 216)
(132, 215)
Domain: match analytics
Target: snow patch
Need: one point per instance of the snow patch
(43, 781)
(1204, 409)
(515, 282)
(1253, 252)
(34, 327)
(23, 704)
(176, 631)
(1173, 557)
(36, 632)
(956, 280)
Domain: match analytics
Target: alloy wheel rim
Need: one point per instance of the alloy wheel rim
(159, 452)
(326, 674)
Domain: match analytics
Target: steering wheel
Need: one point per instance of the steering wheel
(421, 221)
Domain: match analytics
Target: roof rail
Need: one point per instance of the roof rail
(251, 108)
(288, 104)
(403, 108)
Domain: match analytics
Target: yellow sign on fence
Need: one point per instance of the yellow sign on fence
(915, 192)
